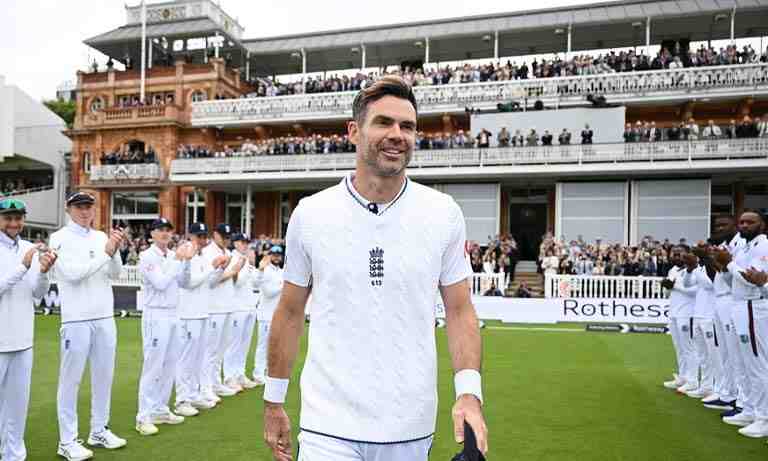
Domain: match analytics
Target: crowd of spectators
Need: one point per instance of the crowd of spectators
(12, 185)
(558, 66)
(646, 131)
(129, 156)
(649, 258)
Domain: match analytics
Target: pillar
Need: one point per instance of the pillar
(648, 36)
(426, 50)
(248, 206)
(738, 198)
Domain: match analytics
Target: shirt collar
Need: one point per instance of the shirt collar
(8, 241)
(78, 229)
(159, 251)
(350, 185)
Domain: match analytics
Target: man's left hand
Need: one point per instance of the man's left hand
(755, 277)
(467, 408)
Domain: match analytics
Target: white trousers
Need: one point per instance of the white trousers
(316, 447)
(93, 341)
(707, 352)
(753, 344)
(161, 338)
(189, 371)
(682, 337)
(240, 335)
(15, 379)
(260, 358)
(218, 326)
(726, 383)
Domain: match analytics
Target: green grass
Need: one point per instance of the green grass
(549, 396)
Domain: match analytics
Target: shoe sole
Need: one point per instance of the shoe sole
(73, 459)
(753, 436)
(717, 407)
(147, 434)
(739, 423)
(101, 445)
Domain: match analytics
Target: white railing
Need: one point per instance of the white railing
(481, 282)
(134, 172)
(616, 87)
(600, 286)
(26, 191)
(129, 277)
(507, 156)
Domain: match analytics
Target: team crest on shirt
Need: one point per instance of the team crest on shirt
(685, 328)
(744, 338)
(376, 267)
(93, 254)
(727, 327)
(709, 335)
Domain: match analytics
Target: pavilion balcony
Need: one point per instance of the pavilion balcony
(140, 173)
(134, 116)
(659, 157)
(626, 87)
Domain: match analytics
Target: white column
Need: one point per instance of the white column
(303, 62)
(570, 33)
(247, 65)
(496, 46)
(149, 59)
(648, 36)
(205, 54)
(143, 50)
(194, 205)
(248, 201)
(363, 56)
(216, 46)
(426, 50)
(733, 25)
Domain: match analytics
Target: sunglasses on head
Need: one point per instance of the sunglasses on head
(11, 204)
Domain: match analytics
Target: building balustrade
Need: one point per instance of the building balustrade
(141, 172)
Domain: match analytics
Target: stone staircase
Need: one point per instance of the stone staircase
(526, 271)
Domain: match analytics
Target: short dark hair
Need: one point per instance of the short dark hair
(756, 212)
(390, 85)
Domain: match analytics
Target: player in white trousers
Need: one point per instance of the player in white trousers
(745, 268)
(87, 260)
(730, 381)
(162, 270)
(269, 280)
(219, 314)
(194, 298)
(373, 250)
(22, 279)
(704, 334)
(681, 301)
(243, 317)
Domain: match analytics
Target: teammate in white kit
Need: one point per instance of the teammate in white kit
(269, 280)
(162, 270)
(373, 250)
(681, 301)
(243, 317)
(194, 299)
(22, 279)
(751, 297)
(87, 260)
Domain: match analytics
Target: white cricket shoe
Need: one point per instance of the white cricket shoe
(223, 391)
(186, 410)
(210, 395)
(106, 439)
(687, 387)
(674, 384)
(699, 393)
(167, 418)
(245, 382)
(74, 451)
(203, 404)
(739, 420)
(146, 429)
(233, 384)
(757, 430)
(259, 380)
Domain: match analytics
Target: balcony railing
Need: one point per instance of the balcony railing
(147, 115)
(691, 151)
(600, 286)
(141, 172)
(618, 87)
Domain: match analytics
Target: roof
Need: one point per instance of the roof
(185, 27)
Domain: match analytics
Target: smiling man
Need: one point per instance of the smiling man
(22, 279)
(373, 250)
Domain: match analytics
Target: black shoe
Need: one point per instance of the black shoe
(733, 412)
(720, 405)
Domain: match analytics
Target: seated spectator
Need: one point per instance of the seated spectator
(493, 290)
(523, 291)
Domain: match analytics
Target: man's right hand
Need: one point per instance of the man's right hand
(277, 431)
(722, 258)
(220, 261)
(27, 259)
(264, 262)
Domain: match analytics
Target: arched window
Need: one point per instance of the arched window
(97, 104)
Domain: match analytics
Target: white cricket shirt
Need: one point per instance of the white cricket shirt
(270, 285)
(83, 271)
(245, 299)
(704, 307)
(371, 371)
(195, 294)
(162, 274)
(681, 298)
(222, 293)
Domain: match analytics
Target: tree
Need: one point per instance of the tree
(64, 109)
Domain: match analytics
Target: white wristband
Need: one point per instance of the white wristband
(468, 382)
(275, 390)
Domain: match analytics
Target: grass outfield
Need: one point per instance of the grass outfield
(551, 395)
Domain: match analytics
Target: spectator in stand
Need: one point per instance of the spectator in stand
(586, 135)
(546, 138)
(518, 140)
(746, 129)
(762, 126)
(675, 132)
(483, 138)
(730, 131)
(711, 131)
(630, 133)
(523, 291)
(565, 137)
(503, 137)
(691, 130)
(550, 263)
(532, 140)
(493, 290)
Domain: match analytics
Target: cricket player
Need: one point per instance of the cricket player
(23, 278)
(87, 260)
(243, 317)
(750, 298)
(220, 310)
(194, 301)
(373, 250)
(162, 270)
(681, 301)
(269, 280)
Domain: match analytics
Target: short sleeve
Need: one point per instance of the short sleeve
(298, 264)
(455, 264)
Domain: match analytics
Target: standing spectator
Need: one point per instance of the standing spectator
(762, 126)
(483, 138)
(730, 131)
(518, 140)
(503, 137)
(550, 263)
(586, 135)
(546, 139)
(565, 137)
(692, 130)
(711, 131)
(532, 139)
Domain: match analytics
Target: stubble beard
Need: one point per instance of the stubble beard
(373, 159)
